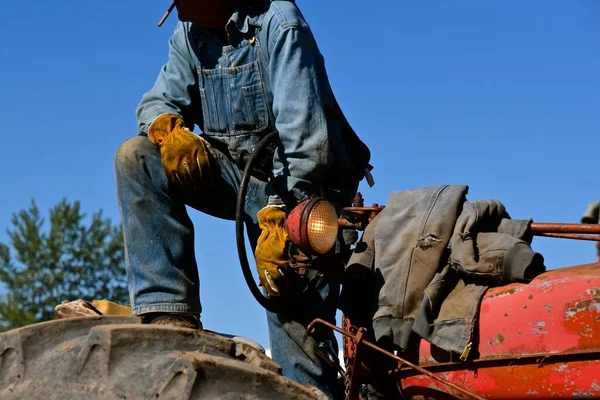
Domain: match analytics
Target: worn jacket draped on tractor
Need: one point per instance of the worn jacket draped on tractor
(432, 255)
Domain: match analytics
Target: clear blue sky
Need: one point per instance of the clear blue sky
(502, 96)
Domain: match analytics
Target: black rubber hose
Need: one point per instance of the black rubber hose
(268, 303)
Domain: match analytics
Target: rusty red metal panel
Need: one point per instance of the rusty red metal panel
(560, 381)
(557, 312)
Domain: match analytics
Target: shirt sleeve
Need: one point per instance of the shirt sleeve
(176, 89)
(299, 85)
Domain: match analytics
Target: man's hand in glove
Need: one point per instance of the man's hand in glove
(188, 159)
(271, 260)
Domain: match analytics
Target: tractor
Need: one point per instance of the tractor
(538, 340)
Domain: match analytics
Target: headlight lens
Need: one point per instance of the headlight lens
(322, 227)
(313, 226)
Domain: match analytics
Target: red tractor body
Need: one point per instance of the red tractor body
(536, 341)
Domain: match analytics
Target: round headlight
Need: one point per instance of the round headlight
(322, 227)
(313, 226)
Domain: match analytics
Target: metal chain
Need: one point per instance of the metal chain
(349, 347)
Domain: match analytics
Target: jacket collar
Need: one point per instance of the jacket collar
(244, 22)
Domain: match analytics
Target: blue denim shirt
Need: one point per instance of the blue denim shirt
(270, 76)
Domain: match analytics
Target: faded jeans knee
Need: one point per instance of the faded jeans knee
(133, 153)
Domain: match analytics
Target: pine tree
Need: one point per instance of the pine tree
(74, 258)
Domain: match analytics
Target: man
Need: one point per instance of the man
(592, 216)
(238, 70)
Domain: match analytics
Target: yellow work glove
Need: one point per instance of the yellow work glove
(107, 307)
(188, 160)
(271, 260)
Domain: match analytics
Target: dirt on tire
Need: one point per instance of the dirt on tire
(118, 358)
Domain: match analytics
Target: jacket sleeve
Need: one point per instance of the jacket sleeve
(176, 89)
(297, 74)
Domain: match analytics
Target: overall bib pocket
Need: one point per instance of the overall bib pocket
(233, 100)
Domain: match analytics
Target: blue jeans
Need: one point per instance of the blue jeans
(161, 264)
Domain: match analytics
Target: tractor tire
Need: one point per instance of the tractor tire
(119, 358)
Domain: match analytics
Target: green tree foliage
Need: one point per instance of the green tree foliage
(75, 257)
